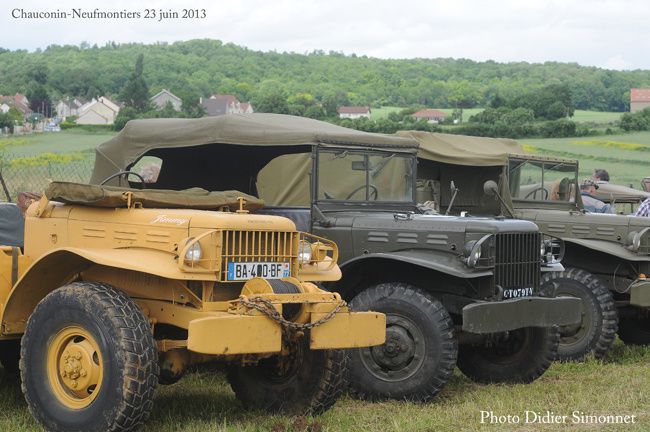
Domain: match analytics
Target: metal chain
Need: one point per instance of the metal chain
(266, 307)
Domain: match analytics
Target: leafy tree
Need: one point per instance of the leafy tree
(271, 102)
(123, 117)
(135, 93)
(15, 115)
(39, 99)
(6, 122)
(38, 73)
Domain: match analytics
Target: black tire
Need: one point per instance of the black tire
(312, 382)
(518, 356)
(634, 328)
(10, 356)
(420, 351)
(597, 330)
(116, 339)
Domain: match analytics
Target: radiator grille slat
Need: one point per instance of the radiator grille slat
(517, 263)
(257, 246)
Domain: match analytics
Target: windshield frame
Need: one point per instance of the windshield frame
(338, 203)
(545, 162)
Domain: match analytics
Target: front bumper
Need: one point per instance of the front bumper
(499, 316)
(640, 293)
(229, 334)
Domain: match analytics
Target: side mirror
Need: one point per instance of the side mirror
(490, 188)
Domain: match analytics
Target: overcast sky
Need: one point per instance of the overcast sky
(605, 33)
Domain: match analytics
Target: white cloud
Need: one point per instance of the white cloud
(606, 33)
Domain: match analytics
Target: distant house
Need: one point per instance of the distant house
(100, 111)
(18, 101)
(163, 97)
(246, 108)
(354, 112)
(69, 107)
(220, 104)
(639, 99)
(430, 115)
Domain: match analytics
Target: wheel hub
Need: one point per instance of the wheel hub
(398, 349)
(74, 367)
(402, 354)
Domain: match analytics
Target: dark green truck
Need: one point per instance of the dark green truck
(607, 256)
(456, 290)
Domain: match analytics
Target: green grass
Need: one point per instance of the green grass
(580, 116)
(626, 157)
(203, 402)
(379, 113)
(53, 142)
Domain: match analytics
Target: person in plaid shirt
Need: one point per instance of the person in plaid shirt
(644, 209)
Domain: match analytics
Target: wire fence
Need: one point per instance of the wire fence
(28, 178)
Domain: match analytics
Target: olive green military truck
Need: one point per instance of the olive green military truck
(116, 289)
(607, 256)
(456, 290)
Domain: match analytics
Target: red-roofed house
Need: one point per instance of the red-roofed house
(639, 99)
(430, 115)
(354, 112)
(221, 104)
(18, 101)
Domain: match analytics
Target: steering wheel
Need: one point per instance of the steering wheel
(373, 190)
(126, 175)
(534, 192)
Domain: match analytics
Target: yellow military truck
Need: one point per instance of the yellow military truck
(117, 289)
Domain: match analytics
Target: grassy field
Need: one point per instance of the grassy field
(53, 142)
(203, 402)
(626, 157)
(580, 116)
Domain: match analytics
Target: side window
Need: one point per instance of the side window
(148, 167)
(526, 181)
(542, 180)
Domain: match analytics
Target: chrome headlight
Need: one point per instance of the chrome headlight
(551, 250)
(304, 252)
(473, 252)
(194, 253)
(637, 241)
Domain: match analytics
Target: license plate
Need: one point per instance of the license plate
(249, 270)
(517, 292)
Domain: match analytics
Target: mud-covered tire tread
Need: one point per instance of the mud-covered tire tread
(473, 364)
(330, 386)
(607, 312)
(442, 321)
(136, 344)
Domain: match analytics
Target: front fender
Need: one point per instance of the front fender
(609, 248)
(443, 262)
(62, 265)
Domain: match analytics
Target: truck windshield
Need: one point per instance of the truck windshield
(345, 175)
(535, 180)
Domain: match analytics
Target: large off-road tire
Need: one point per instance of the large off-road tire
(10, 356)
(634, 328)
(306, 382)
(597, 330)
(420, 352)
(517, 356)
(88, 360)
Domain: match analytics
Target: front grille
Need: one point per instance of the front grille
(517, 262)
(254, 246)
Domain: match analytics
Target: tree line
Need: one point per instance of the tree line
(313, 84)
